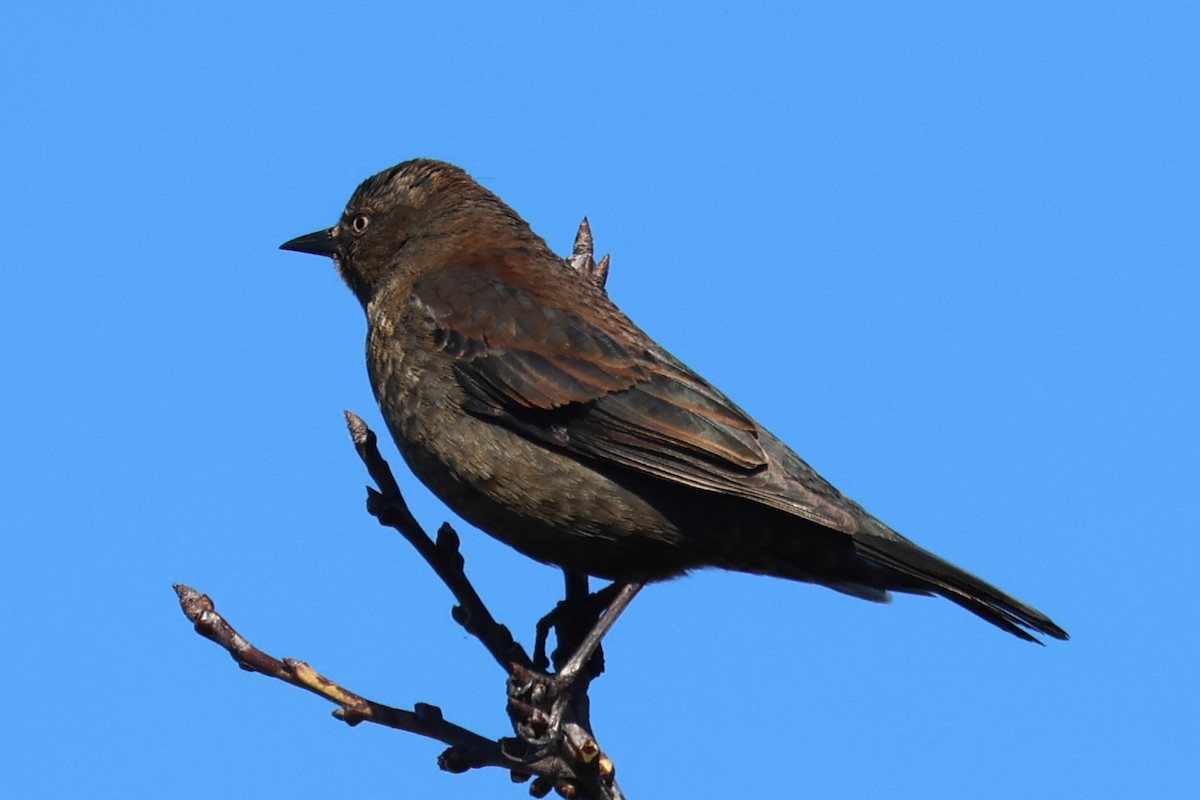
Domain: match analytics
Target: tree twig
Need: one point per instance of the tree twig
(388, 506)
(467, 749)
(550, 713)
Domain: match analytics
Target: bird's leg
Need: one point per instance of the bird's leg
(572, 619)
(566, 610)
(616, 599)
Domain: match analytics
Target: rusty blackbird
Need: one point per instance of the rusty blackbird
(531, 405)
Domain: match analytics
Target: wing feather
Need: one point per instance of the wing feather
(592, 382)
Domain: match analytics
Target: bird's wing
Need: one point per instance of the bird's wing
(582, 377)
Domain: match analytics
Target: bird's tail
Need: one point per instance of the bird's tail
(928, 573)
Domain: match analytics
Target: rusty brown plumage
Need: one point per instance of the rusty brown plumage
(523, 397)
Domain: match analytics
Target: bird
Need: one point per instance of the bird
(540, 413)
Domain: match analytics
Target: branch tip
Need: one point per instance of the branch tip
(600, 271)
(583, 239)
(193, 603)
(359, 431)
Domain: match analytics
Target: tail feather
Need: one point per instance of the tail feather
(957, 585)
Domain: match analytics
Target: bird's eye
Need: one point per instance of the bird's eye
(360, 223)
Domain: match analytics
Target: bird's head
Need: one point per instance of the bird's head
(408, 218)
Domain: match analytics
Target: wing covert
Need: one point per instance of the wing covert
(584, 378)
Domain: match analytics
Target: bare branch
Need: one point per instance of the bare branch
(549, 712)
(388, 506)
(467, 749)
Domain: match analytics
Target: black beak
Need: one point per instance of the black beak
(319, 243)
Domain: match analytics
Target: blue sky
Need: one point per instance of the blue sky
(947, 251)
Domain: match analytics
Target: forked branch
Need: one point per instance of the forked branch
(549, 712)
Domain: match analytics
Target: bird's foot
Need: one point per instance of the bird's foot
(549, 714)
(532, 705)
(572, 619)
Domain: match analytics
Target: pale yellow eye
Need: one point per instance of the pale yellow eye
(360, 223)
